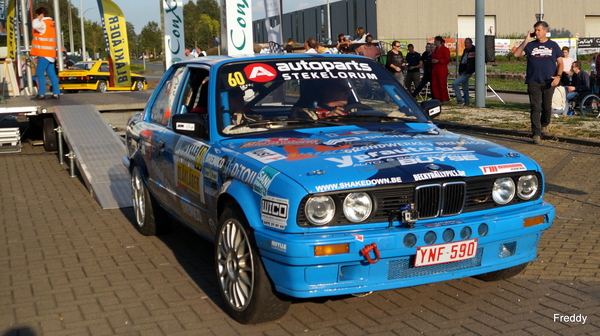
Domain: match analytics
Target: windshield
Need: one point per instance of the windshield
(296, 93)
(82, 66)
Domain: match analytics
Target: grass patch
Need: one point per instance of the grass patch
(507, 84)
(511, 106)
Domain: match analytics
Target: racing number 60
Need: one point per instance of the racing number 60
(463, 250)
(236, 79)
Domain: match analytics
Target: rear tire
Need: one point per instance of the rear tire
(590, 106)
(49, 134)
(101, 86)
(150, 218)
(502, 274)
(247, 291)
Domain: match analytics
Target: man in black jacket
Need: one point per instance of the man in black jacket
(465, 69)
(579, 84)
(426, 59)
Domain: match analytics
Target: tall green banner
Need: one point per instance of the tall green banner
(115, 35)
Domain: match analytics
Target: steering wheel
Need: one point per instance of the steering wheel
(357, 106)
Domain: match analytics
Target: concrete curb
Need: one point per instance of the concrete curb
(526, 134)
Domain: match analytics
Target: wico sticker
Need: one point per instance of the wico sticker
(260, 72)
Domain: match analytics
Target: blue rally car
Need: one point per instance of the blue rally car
(319, 175)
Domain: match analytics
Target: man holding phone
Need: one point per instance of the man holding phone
(544, 70)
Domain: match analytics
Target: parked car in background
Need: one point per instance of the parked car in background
(95, 75)
(319, 175)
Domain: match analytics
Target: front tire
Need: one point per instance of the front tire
(138, 85)
(502, 274)
(150, 218)
(246, 289)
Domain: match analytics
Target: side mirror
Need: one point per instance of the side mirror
(191, 124)
(432, 108)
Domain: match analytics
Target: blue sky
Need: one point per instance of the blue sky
(143, 11)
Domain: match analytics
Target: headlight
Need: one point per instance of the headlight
(527, 186)
(504, 190)
(320, 210)
(357, 207)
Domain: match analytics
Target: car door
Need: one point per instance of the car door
(162, 140)
(189, 152)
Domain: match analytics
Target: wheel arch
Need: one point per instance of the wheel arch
(237, 194)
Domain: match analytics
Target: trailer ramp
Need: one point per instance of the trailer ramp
(99, 151)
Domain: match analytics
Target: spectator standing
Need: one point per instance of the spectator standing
(580, 83)
(465, 70)
(439, 71)
(413, 68)
(544, 70)
(44, 47)
(567, 63)
(426, 59)
(369, 49)
(289, 46)
(188, 54)
(310, 46)
(200, 52)
(395, 62)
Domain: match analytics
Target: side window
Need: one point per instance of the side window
(104, 67)
(195, 95)
(162, 109)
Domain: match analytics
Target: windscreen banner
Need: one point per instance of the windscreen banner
(117, 46)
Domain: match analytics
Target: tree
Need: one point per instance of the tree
(131, 37)
(150, 38)
(94, 38)
(201, 21)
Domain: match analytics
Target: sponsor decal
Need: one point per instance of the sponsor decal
(274, 211)
(502, 168)
(280, 142)
(277, 246)
(356, 184)
(263, 180)
(238, 171)
(181, 126)
(200, 157)
(445, 223)
(191, 211)
(359, 237)
(265, 155)
(396, 157)
(438, 174)
(260, 72)
(188, 177)
(210, 191)
(189, 149)
(211, 224)
(325, 70)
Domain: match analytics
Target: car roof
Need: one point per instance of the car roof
(224, 59)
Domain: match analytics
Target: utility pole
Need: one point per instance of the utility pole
(71, 29)
(59, 39)
(480, 75)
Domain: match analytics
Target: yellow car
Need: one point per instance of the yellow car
(94, 75)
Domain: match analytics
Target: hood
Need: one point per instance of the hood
(356, 157)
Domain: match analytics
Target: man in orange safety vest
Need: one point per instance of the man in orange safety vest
(44, 47)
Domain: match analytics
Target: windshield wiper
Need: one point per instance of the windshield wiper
(369, 116)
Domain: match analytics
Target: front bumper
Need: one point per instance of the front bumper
(296, 271)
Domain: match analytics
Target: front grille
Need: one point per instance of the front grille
(447, 197)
